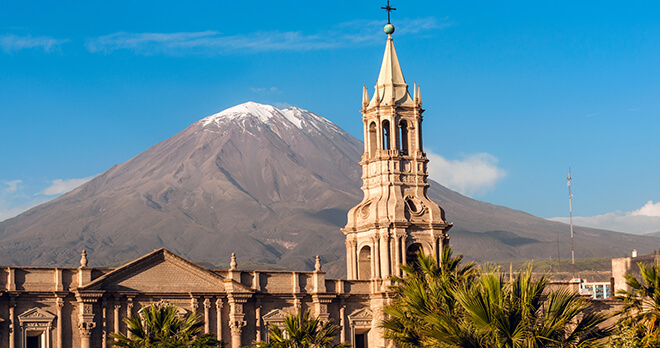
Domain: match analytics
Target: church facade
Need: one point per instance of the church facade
(57, 307)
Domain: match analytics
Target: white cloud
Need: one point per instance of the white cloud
(473, 174)
(213, 42)
(649, 209)
(12, 186)
(11, 42)
(281, 106)
(641, 221)
(59, 186)
(9, 209)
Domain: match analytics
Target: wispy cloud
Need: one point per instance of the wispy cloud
(16, 198)
(470, 175)
(12, 43)
(641, 221)
(212, 42)
(12, 186)
(59, 186)
(264, 89)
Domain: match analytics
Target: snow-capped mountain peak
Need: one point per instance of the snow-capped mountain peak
(267, 114)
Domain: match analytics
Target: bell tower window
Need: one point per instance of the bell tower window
(364, 263)
(403, 136)
(386, 135)
(372, 139)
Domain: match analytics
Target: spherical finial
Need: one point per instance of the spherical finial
(389, 29)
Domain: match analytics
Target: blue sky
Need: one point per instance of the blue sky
(515, 92)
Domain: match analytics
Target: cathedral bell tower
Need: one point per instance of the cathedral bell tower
(396, 218)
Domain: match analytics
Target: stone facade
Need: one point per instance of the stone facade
(237, 305)
(81, 307)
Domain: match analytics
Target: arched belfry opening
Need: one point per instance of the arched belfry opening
(373, 139)
(364, 263)
(403, 136)
(411, 254)
(386, 135)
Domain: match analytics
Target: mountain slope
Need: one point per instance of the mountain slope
(271, 185)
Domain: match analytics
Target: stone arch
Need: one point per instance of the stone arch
(364, 263)
(411, 253)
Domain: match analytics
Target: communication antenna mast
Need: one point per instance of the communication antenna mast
(570, 212)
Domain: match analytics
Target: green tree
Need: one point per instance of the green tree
(302, 331)
(160, 326)
(519, 314)
(641, 310)
(453, 306)
(424, 311)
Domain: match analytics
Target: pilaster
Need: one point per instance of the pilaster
(237, 317)
(86, 301)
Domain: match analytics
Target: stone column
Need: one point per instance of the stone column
(257, 315)
(12, 323)
(60, 304)
(385, 252)
(397, 255)
(104, 330)
(117, 307)
(349, 260)
(218, 318)
(236, 318)
(342, 321)
(207, 306)
(373, 257)
(404, 259)
(129, 313)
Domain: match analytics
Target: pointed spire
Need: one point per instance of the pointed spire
(391, 85)
(418, 97)
(365, 97)
(415, 92)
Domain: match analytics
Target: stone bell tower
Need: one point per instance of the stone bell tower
(396, 218)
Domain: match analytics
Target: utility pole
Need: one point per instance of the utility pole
(570, 212)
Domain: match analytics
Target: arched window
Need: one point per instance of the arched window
(372, 139)
(364, 263)
(386, 135)
(411, 254)
(403, 136)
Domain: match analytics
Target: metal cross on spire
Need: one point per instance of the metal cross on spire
(389, 9)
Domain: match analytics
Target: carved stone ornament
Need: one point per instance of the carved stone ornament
(363, 210)
(415, 206)
(361, 318)
(36, 317)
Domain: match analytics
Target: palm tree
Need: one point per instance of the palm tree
(424, 311)
(641, 310)
(453, 306)
(302, 331)
(519, 314)
(160, 326)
